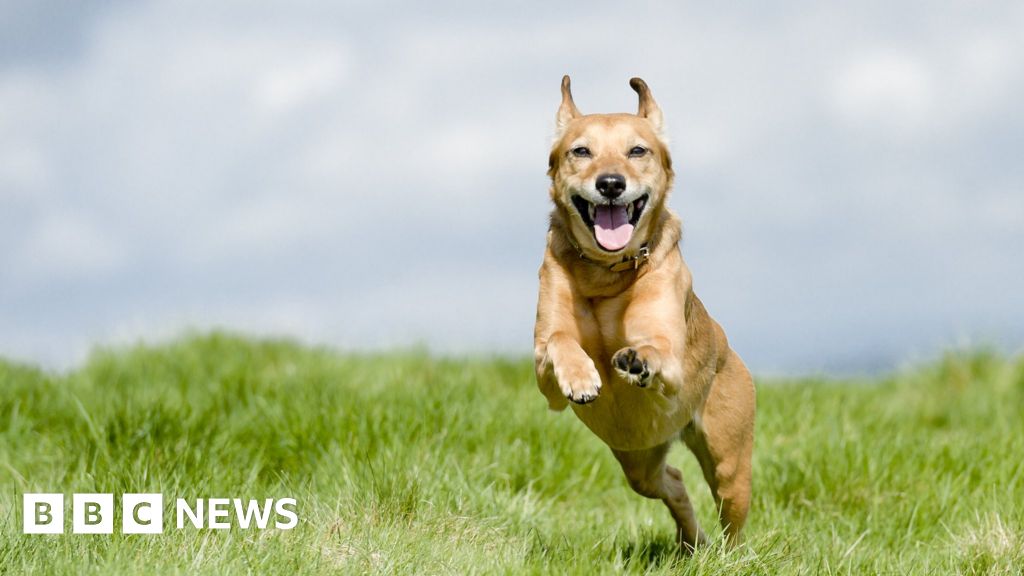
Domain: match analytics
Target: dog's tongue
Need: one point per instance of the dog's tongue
(611, 227)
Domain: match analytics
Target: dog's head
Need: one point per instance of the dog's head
(610, 173)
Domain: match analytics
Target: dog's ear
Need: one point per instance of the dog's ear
(567, 111)
(648, 107)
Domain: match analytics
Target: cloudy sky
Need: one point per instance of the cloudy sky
(371, 174)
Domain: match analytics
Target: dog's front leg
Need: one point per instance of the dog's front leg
(655, 331)
(571, 370)
(564, 370)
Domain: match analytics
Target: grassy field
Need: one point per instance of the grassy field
(416, 465)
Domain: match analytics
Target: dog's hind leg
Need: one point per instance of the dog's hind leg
(650, 476)
(723, 439)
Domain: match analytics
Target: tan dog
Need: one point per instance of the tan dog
(620, 332)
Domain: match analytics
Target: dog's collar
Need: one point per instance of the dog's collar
(628, 262)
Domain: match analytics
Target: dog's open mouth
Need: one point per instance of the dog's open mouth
(612, 224)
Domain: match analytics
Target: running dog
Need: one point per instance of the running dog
(620, 335)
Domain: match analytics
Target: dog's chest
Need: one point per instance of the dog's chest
(606, 334)
(624, 416)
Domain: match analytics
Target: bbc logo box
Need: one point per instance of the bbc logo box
(43, 513)
(93, 513)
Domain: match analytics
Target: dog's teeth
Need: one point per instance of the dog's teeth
(629, 211)
(593, 212)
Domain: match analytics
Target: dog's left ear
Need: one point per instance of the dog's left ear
(648, 107)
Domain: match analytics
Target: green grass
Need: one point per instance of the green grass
(414, 464)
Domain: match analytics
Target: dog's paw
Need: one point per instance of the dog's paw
(632, 367)
(580, 384)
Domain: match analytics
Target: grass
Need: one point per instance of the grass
(405, 463)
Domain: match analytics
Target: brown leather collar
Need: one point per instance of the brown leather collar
(628, 262)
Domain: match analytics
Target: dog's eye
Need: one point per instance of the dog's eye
(637, 151)
(581, 152)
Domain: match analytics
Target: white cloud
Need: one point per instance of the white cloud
(62, 245)
(889, 88)
(308, 72)
(22, 170)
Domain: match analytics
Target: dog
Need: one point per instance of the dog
(620, 335)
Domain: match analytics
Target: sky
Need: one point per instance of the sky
(371, 175)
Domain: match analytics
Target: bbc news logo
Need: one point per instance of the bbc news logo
(144, 513)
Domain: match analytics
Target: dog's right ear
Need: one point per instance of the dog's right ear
(567, 112)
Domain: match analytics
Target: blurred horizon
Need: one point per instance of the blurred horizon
(370, 176)
(863, 369)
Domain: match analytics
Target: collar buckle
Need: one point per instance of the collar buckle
(641, 256)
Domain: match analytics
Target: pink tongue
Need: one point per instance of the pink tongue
(611, 227)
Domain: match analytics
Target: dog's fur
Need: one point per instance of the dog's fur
(634, 351)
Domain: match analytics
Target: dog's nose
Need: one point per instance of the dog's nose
(611, 186)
